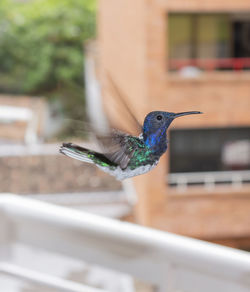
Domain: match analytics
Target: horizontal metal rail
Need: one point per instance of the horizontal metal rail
(84, 198)
(168, 261)
(34, 149)
(209, 179)
(15, 113)
(14, 150)
(44, 280)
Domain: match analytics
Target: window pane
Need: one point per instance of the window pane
(199, 36)
(213, 38)
(180, 36)
(209, 150)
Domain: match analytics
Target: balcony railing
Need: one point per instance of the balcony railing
(236, 64)
(208, 179)
(167, 261)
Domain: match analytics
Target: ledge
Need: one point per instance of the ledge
(210, 76)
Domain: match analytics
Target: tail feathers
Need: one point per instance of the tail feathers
(76, 152)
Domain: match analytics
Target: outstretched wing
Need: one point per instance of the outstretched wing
(123, 107)
(115, 145)
(118, 147)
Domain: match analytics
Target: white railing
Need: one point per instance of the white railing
(17, 150)
(167, 261)
(209, 179)
(46, 281)
(14, 150)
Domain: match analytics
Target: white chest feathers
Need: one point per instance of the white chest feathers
(121, 174)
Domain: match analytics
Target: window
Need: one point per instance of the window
(241, 32)
(209, 157)
(209, 41)
(209, 150)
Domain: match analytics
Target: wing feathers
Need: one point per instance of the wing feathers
(76, 152)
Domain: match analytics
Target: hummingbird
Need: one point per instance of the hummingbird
(124, 155)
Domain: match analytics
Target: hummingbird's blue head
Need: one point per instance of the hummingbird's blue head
(156, 123)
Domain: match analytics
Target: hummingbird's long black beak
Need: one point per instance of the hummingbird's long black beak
(186, 113)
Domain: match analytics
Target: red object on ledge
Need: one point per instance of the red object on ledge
(236, 64)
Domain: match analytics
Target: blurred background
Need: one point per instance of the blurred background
(163, 55)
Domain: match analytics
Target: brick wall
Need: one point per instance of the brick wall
(133, 48)
(51, 174)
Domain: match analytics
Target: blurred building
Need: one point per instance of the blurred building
(177, 56)
(30, 167)
(22, 119)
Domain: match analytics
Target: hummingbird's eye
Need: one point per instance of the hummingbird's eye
(159, 117)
